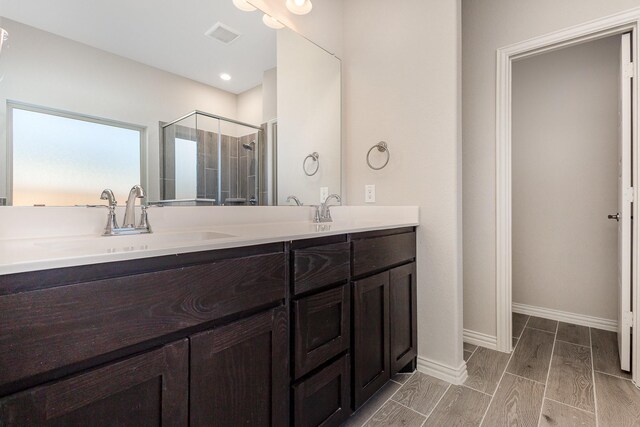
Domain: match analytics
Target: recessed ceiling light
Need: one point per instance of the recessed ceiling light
(244, 5)
(272, 22)
(225, 76)
(299, 7)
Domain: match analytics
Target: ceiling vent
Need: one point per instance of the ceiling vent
(222, 33)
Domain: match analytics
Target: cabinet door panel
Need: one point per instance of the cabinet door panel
(323, 399)
(402, 314)
(239, 373)
(322, 328)
(150, 389)
(371, 333)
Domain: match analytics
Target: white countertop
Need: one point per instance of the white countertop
(203, 228)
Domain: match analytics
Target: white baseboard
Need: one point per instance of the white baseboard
(441, 371)
(478, 338)
(565, 316)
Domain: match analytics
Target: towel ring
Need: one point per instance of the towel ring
(313, 156)
(382, 147)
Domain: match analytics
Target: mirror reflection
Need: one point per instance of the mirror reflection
(201, 103)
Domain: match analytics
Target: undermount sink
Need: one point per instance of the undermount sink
(129, 243)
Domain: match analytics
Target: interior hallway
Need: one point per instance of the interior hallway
(558, 375)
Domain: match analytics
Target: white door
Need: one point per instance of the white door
(625, 198)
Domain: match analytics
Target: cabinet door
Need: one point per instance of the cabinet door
(371, 332)
(323, 399)
(402, 316)
(239, 373)
(322, 326)
(150, 389)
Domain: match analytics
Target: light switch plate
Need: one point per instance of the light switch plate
(324, 193)
(369, 193)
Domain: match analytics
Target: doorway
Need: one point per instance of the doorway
(593, 31)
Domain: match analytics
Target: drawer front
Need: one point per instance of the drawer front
(319, 266)
(322, 328)
(57, 327)
(323, 399)
(377, 253)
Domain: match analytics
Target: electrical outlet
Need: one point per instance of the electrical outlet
(324, 193)
(369, 193)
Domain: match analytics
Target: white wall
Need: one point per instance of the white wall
(401, 83)
(270, 95)
(565, 170)
(47, 70)
(487, 26)
(249, 106)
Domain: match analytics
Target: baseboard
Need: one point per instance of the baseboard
(478, 338)
(565, 316)
(441, 371)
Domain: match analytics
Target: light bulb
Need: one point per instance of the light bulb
(272, 22)
(299, 7)
(243, 5)
(225, 76)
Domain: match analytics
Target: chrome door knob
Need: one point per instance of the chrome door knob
(616, 217)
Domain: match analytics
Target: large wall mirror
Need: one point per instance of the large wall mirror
(199, 102)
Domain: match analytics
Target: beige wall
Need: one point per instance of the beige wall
(564, 168)
(250, 105)
(487, 26)
(401, 85)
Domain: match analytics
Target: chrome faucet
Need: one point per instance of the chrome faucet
(128, 227)
(295, 199)
(323, 212)
(130, 211)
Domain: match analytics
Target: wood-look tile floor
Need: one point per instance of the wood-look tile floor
(558, 375)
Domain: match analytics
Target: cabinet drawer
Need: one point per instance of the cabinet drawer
(57, 327)
(323, 399)
(322, 328)
(377, 253)
(320, 266)
(150, 389)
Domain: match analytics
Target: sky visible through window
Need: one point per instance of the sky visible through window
(59, 161)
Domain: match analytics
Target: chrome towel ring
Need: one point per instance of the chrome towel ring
(382, 147)
(313, 156)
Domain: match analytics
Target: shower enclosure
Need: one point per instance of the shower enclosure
(211, 160)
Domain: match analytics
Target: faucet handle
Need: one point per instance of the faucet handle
(107, 194)
(144, 219)
(317, 216)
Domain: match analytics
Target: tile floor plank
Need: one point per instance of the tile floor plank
(402, 377)
(393, 414)
(618, 401)
(467, 355)
(485, 369)
(517, 402)
(605, 353)
(559, 415)
(574, 334)
(570, 376)
(517, 323)
(460, 406)
(532, 355)
(421, 392)
(372, 405)
(542, 324)
(469, 347)
(514, 341)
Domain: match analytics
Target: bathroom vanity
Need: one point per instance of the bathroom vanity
(292, 332)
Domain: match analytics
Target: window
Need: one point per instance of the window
(62, 159)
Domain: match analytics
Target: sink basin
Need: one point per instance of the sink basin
(130, 243)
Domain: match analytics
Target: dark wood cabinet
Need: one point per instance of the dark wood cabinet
(322, 328)
(150, 389)
(371, 335)
(239, 373)
(403, 334)
(323, 399)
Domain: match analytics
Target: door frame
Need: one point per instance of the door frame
(589, 31)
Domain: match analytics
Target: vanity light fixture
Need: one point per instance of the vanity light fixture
(244, 5)
(272, 22)
(225, 76)
(299, 7)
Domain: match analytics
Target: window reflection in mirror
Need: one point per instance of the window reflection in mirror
(62, 159)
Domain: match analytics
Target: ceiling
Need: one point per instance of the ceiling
(168, 35)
